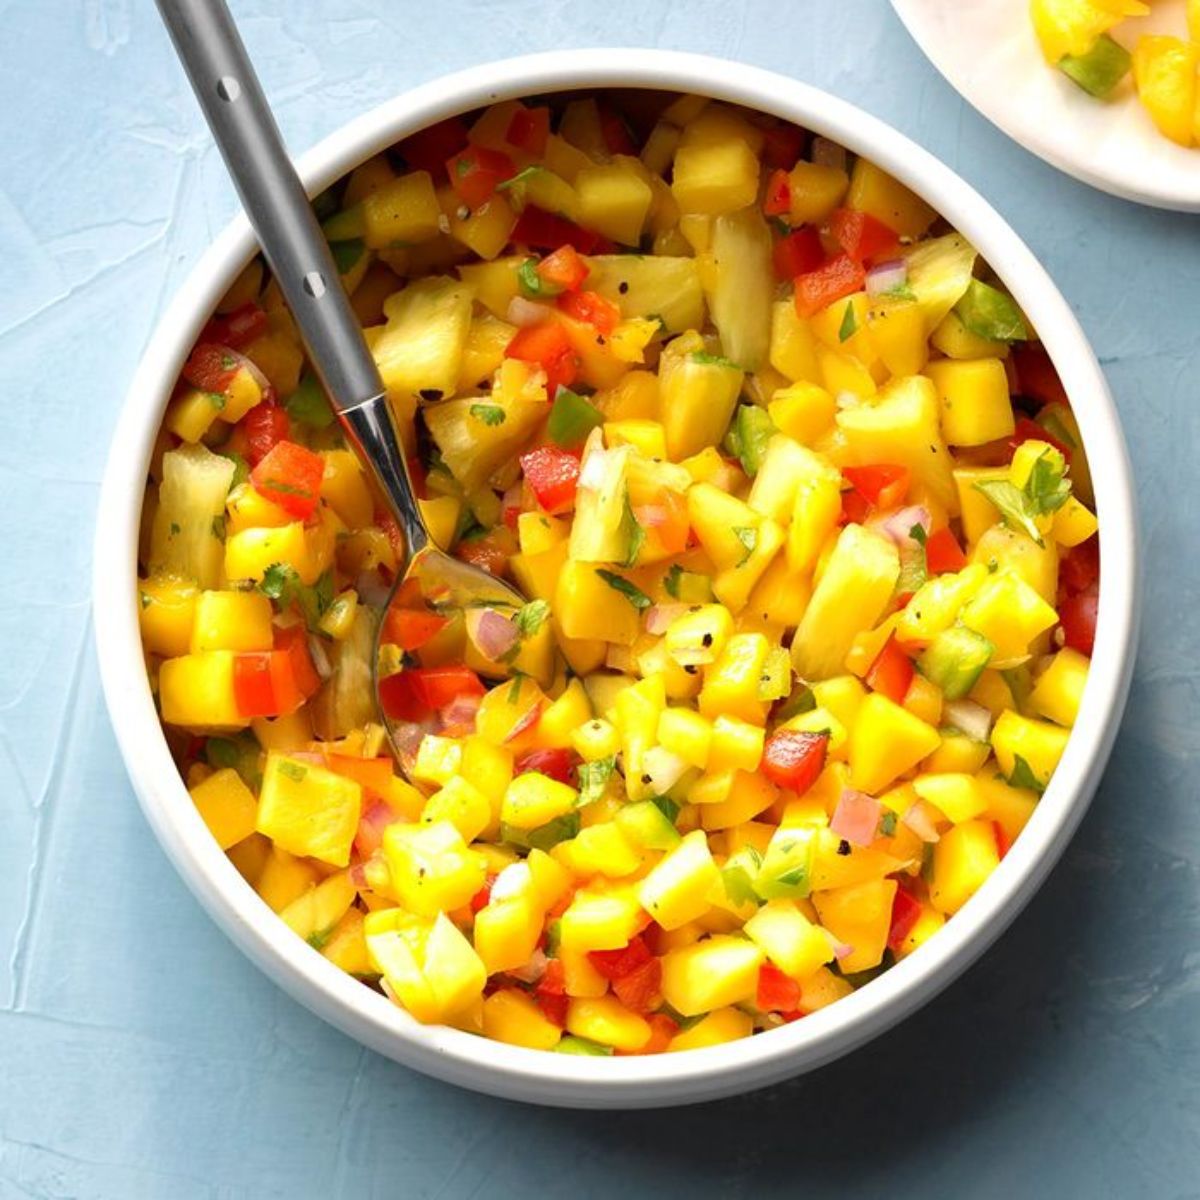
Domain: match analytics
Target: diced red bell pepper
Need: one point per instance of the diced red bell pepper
(776, 992)
(905, 912)
(546, 345)
(553, 476)
(782, 144)
(616, 133)
(794, 758)
(855, 508)
(1028, 430)
(238, 328)
(265, 426)
(210, 367)
(613, 964)
(550, 992)
(1036, 376)
(489, 553)
(882, 484)
(429, 148)
(373, 774)
(798, 253)
(1077, 616)
(410, 628)
(541, 230)
(475, 173)
(861, 236)
(943, 553)
(640, 990)
(564, 269)
(592, 308)
(892, 671)
(556, 763)
(1079, 567)
(293, 641)
(483, 897)
(777, 200)
(290, 476)
(529, 129)
(662, 1030)
(265, 684)
(1003, 843)
(834, 280)
(411, 694)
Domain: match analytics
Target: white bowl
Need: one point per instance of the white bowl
(529, 1075)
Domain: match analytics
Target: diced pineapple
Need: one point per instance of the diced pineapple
(786, 469)
(185, 541)
(939, 272)
(711, 974)
(308, 810)
(652, 286)
(614, 200)
(850, 597)
(421, 348)
(744, 286)
(1164, 72)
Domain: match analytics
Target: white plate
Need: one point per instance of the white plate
(988, 52)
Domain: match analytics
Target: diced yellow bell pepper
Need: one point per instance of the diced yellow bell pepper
(606, 1020)
(724, 1025)
(789, 939)
(711, 974)
(166, 612)
(963, 858)
(430, 867)
(510, 1015)
(886, 741)
(227, 807)
(1059, 689)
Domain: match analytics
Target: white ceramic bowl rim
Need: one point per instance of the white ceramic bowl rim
(524, 1074)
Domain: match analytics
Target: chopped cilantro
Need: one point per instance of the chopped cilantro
(528, 279)
(704, 359)
(281, 584)
(1023, 777)
(849, 325)
(748, 536)
(241, 469)
(216, 399)
(1046, 490)
(918, 534)
(630, 591)
(514, 692)
(293, 770)
(637, 535)
(666, 806)
(887, 824)
(671, 581)
(522, 176)
(175, 528)
(489, 414)
(593, 779)
(530, 617)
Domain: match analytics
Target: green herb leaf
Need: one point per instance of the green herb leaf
(704, 359)
(630, 591)
(1047, 486)
(218, 527)
(281, 583)
(849, 325)
(307, 405)
(528, 279)
(593, 779)
(294, 771)
(637, 535)
(241, 469)
(671, 581)
(1023, 777)
(1013, 506)
(748, 536)
(514, 692)
(901, 292)
(346, 254)
(666, 806)
(530, 617)
(216, 399)
(918, 534)
(522, 176)
(887, 824)
(489, 414)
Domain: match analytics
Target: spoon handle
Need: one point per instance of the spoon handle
(231, 98)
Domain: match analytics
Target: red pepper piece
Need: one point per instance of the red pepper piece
(794, 758)
(290, 476)
(905, 912)
(943, 553)
(883, 484)
(891, 673)
(553, 477)
(798, 253)
(777, 992)
(833, 281)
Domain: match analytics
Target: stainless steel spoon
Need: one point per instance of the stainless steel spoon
(233, 103)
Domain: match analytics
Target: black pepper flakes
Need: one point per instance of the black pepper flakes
(430, 394)
(843, 847)
(623, 287)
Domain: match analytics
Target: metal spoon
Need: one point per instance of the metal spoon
(207, 43)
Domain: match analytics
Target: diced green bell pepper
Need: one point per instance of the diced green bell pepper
(646, 825)
(786, 871)
(955, 659)
(572, 418)
(1100, 69)
(570, 1044)
(990, 313)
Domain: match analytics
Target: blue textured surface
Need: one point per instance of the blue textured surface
(142, 1056)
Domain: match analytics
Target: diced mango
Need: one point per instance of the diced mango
(227, 806)
(676, 890)
(859, 916)
(1059, 688)
(308, 810)
(973, 399)
(1037, 743)
(886, 741)
(606, 1020)
(711, 974)
(510, 1015)
(430, 866)
(875, 192)
(723, 1025)
(789, 939)
(231, 621)
(963, 858)
(166, 613)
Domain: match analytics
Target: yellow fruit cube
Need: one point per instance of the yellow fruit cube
(731, 683)
(507, 930)
(430, 867)
(815, 190)
(734, 584)
(821, 989)
(308, 810)
(735, 745)
(282, 877)
(549, 880)
(1037, 743)
(886, 741)
(1010, 614)
(875, 192)
(687, 734)
(1164, 72)
(402, 210)
(463, 805)
(714, 177)
(346, 945)
(850, 597)
(248, 554)
(793, 353)
(344, 487)
(614, 201)
(586, 602)
(699, 635)
(815, 514)
(599, 849)
(710, 974)
(979, 514)
(600, 921)
(429, 965)
(511, 1016)
(561, 719)
(746, 795)
(1008, 806)
(804, 411)
(841, 697)
(314, 914)
(860, 916)
(596, 739)
(676, 890)
(166, 612)
(532, 800)
(1073, 523)
(789, 939)
(897, 332)
(957, 753)
(227, 806)
(231, 621)
(955, 340)
(606, 1020)
(1059, 688)
(724, 1025)
(956, 795)
(973, 399)
(196, 692)
(963, 858)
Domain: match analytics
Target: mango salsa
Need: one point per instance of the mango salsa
(809, 605)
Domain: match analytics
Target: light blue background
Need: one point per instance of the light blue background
(142, 1056)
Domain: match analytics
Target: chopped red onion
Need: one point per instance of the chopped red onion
(375, 818)
(856, 817)
(371, 589)
(840, 949)
(972, 719)
(512, 881)
(595, 465)
(660, 616)
(533, 970)
(664, 768)
(522, 312)
(919, 820)
(887, 277)
(828, 154)
(459, 716)
(898, 525)
(264, 384)
(492, 633)
(320, 657)
(651, 515)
